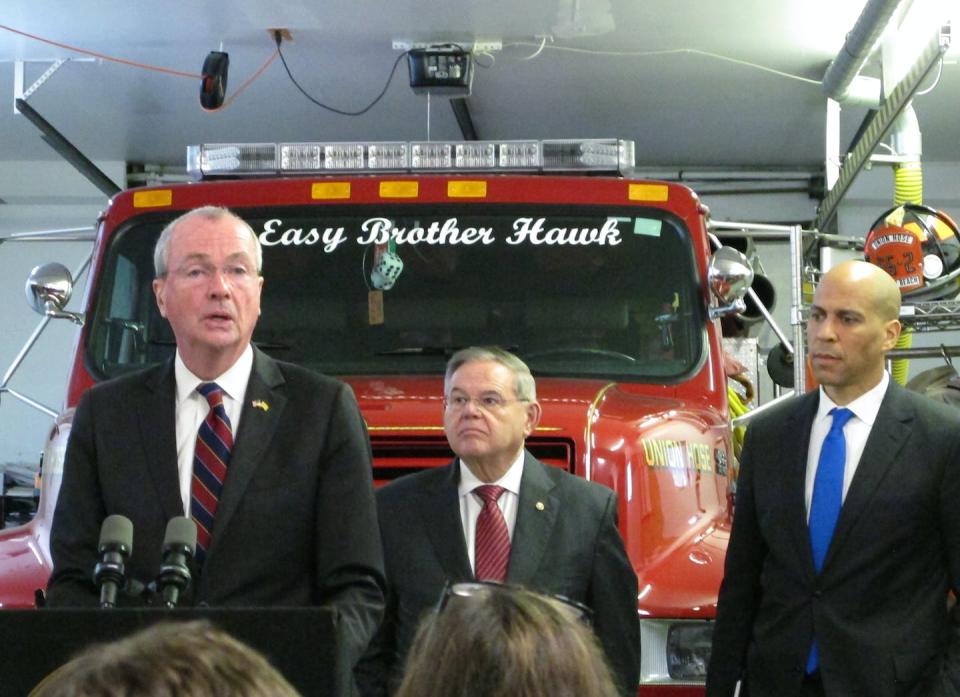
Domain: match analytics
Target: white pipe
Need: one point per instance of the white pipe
(906, 138)
(860, 42)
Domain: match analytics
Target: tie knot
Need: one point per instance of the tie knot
(212, 392)
(489, 493)
(841, 416)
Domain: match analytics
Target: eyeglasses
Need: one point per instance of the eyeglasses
(488, 402)
(469, 590)
(196, 273)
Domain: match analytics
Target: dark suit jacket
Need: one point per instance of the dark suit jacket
(296, 522)
(879, 604)
(572, 548)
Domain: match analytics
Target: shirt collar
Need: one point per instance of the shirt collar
(509, 481)
(865, 407)
(233, 381)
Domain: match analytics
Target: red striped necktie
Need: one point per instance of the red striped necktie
(492, 550)
(210, 460)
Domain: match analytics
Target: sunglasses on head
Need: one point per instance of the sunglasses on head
(467, 590)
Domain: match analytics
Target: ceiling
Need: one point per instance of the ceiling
(694, 83)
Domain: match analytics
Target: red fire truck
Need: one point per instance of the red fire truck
(382, 259)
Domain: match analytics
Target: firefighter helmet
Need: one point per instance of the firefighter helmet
(920, 248)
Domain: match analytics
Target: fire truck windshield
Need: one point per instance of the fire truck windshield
(574, 290)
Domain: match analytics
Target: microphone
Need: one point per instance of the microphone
(116, 544)
(179, 546)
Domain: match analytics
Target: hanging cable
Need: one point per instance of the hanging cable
(279, 39)
(246, 84)
(103, 56)
(936, 80)
(665, 52)
(146, 66)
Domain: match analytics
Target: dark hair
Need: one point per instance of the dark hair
(177, 659)
(506, 642)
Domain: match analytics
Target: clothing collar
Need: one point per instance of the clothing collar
(865, 407)
(509, 481)
(233, 381)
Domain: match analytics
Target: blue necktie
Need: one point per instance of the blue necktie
(827, 499)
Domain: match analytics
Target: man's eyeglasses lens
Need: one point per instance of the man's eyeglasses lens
(489, 402)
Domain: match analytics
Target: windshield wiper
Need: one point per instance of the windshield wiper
(432, 350)
(420, 351)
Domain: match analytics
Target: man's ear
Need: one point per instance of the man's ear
(158, 294)
(533, 413)
(260, 291)
(891, 334)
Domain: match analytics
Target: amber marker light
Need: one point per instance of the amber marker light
(467, 189)
(156, 198)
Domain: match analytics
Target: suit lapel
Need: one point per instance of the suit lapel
(440, 510)
(257, 426)
(795, 475)
(158, 434)
(536, 515)
(888, 436)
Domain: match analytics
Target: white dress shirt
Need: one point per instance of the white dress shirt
(192, 408)
(855, 433)
(471, 504)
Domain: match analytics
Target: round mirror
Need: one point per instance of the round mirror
(729, 275)
(49, 287)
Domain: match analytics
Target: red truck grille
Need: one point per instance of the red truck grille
(395, 457)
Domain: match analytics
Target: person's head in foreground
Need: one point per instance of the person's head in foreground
(180, 659)
(489, 640)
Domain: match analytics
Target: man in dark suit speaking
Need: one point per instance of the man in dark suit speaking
(846, 531)
(271, 461)
(497, 513)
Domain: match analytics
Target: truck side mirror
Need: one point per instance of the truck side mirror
(729, 275)
(49, 287)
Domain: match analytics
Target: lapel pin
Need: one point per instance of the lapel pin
(540, 506)
(260, 404)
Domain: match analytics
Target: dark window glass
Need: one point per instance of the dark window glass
(631, 310)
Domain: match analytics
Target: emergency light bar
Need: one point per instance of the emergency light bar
(259, 159)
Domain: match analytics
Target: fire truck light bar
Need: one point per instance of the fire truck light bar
(260, 159)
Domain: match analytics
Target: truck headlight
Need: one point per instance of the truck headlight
(674, 651)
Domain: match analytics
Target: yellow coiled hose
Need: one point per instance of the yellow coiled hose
(908, 188)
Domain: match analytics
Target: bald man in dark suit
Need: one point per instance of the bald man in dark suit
(860, 609)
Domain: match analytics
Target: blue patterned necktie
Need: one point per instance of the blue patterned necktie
(827, 499)
(210, 461)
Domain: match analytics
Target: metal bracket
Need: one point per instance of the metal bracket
(469, 45)
(18, 76)
(19, 92)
